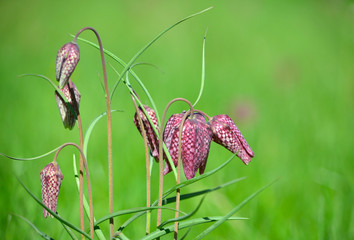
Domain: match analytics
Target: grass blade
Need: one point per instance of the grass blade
(63, 221)
(195, 194)
(42, 234)
(98, 231)
(130, 63)
(232, 212)
(90, 128)
(181, 218)
(186, 224)
(32, 158)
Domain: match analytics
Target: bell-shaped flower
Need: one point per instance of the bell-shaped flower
(195, 143)
(67, 58)
(51, 178)
(226, 133)
(152, 140)
(68, 110)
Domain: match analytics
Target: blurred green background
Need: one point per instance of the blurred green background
(283, 70)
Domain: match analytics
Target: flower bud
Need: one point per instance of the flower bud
(66, 108)
(152, 140)
(67, 58)
(195, 143)
(226, 133)
(51, 178)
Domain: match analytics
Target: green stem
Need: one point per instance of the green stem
(109, 126)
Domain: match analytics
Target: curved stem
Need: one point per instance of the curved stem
(161, 154)
(148, 184)
(81, 177)
(87, 179)
(109, 125)
(178, 190)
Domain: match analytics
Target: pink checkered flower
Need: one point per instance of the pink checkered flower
(67, 58)
(66, 108)
(226, 133)
(51, 178)
(152, 140)
(195, 143)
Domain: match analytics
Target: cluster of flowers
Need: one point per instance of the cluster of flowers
(197, 134)
(51, 176)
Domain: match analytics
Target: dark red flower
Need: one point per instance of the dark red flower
(226, 133)
(195, 143)
(152, 140)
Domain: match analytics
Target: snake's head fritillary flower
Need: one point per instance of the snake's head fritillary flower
(152, 140)
(51, 178)
(226, 133)
(67, 58)
(68, 109)
(195, 143)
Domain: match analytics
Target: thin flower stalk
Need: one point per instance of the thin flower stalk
(148, 179)
(87, 179)
(109, 125)
(161, 156)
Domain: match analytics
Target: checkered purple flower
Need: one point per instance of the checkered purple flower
(226, 133)
(67, 58)
(51, 178)
(195, 143)
(152, 140)
(66, 108)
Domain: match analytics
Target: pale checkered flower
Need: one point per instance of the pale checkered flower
(67, 58)
(51, 178)
(226, 133)
(66, 108)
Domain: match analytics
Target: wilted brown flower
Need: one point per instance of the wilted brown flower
(51, 178)
(66, 108)
(152, 140)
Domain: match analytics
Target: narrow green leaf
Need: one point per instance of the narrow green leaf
(42, 234)
(195, 194)
(130, 63)
(32, 158)
(203, 71)
(129, 211)
(90, 128)
(168, 192)
(185, 224)
(63, 221)
(68, 230)
(198, 178)
(181, 218)
(98, 230)
(232, 212)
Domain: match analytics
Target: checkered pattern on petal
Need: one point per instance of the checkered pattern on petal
(51, 178)
(67, 116)
(227, 134)
(67, 58)
(152, 140)
(171, 142)
(206, 133)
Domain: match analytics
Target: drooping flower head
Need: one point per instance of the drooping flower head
(195, 143)
(67, 58)
(66, 108)
(226, 133)
(51, 178)
(152, 140)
